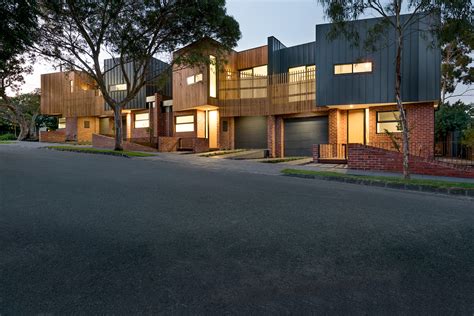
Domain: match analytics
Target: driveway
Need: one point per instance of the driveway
(101, 234)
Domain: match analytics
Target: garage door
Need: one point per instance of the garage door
(301, 134)
(251, 132)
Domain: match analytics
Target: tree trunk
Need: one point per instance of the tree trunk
(118, 127)
(24, 129)
(398, 96)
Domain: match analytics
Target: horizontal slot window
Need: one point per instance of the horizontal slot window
(185, 123)
(142, 120)
(343, 69)
(388, 121)
(118, 87)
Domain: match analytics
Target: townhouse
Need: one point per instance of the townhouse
(284, 99)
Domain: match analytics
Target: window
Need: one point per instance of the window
(388, 121)
(301, 85)
(253, 82)
(225, 126)
(71, 86)
(352, 68)
(142, 120)
(62, 122)
(193, 79)
(213, 77)
(87, 124)
(118, 87)
(185, 123)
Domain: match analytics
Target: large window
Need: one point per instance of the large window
(213, 77)
(142, 120)
(301, 85)
(253, 82)
(342, 69)
(388, 121)
(194, 79)
(185, 123)
(118, 87)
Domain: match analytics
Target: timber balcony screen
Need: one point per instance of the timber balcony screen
(242, 94)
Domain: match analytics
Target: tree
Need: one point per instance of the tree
(450, 118)
(22, 111)
(17, 33)
(456, 37)
(79, 33)
(390, 13)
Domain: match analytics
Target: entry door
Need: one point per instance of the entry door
(356, 127)
(213, 117)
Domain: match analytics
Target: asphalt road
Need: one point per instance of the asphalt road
(100, 234)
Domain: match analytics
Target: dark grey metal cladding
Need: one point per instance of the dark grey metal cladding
(160, 77)
(251, 132)
(421, 64)
(302, 133)
(115, 76)
(280, 58)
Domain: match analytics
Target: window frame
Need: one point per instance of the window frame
(377, 121)
(352, 68)
(192, 122)
(115, 87)
(141, 120)
(196, 79)
(252, 78)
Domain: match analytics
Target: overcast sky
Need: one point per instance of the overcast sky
(291, 21)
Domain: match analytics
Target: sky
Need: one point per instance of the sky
(291, 21)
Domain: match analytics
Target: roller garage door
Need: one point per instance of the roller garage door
(251, 132)
(302, 133)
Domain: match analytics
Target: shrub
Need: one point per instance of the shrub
(7, 137)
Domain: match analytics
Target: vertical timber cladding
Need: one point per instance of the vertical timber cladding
(251, 132)
(302, 133)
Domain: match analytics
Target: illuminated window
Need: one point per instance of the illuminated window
(388, 121)
(342, 69)
(118, 87)
(193, 79)
(142, 120)
(71, 86)
(363, 67)
(352, 68)
(253, 82)
(185, 123)
(62, 122)
(301, 85)
(213, 77)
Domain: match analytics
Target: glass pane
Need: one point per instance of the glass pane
(388, 116)
(260, 71)
(213, 77)
(142, 124)
(363, 67)
(246, 73)
(185, 119)
(141, 116)
(190, 80)
(184, 127)
(392, 127)
(198, 78)
(342, 69)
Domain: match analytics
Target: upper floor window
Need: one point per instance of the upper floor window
(212, 76)
(118, 87)
(142, 120)
(71, 86)
(301, 85)
(253, 82)
(193, 79)
(388, 121)
(342, 69)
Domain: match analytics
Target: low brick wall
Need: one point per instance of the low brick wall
(363, 157)
(101, 141)
(168, 143)
(200, 145)
(57, 136)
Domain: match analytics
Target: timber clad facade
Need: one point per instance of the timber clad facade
(284, 99)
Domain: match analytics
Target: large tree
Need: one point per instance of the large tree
(18, 31)
(81, 33)
(390, 14)
(23, 111)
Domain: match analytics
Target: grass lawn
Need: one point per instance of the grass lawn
(6, 142)
(89, 150)
(422, 182)
(278, 160)
(221, 153)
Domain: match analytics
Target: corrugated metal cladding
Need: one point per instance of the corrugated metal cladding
(421, 65)
(281, 58)
(115, 76)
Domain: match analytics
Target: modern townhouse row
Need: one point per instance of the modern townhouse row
(327, 92)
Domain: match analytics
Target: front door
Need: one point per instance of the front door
(212, 119)
(356, 127)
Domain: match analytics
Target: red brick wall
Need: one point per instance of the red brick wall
(57, 136)
(226, 139)
(71, 128)
(420, 123)
(168, 143)
(337, 121)
(271, 135)
(100, 141)
(279, 136)
(363, 157)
